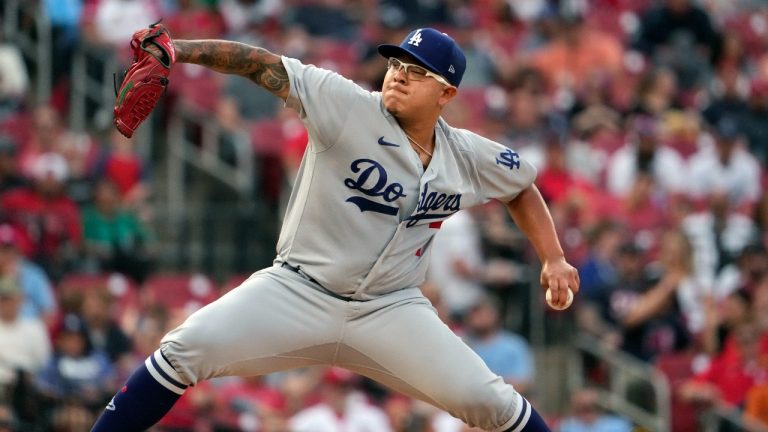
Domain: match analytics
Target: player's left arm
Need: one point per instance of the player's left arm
(532, 216)
(257, 64)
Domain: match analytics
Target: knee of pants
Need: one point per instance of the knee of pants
(190, 351)
(484, 405)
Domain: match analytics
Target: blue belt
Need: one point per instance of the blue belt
(299, 272)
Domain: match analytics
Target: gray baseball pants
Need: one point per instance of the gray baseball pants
(278, 320)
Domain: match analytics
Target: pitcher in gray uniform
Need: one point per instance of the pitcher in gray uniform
(382, 170)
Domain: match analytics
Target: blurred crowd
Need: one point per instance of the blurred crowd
(647, 121)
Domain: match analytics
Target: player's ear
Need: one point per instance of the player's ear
(447, 94)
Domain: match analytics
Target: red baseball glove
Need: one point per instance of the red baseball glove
(147, 78)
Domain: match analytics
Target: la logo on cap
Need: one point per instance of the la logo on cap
(415, 40)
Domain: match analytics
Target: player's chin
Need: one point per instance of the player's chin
(393, 106)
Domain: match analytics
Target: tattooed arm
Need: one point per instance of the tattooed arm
(257, 64)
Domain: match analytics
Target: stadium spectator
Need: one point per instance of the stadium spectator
(644, 153)
(251, 404)
(418, 13)
(733, 58)
(557, 183)
(587, 415)
(760, 303)
(325, 19)
(640, 313)
(755, 123)
(10, 178)
(7, 419)
(115, 239)
(756, 406)
(506, 354)
(48, 217)
(456, 263)
(721, 318)
(65, 19)
(576, 52)
(482, 67)
(761, 218)
(505, 272)
(572, 199)
(718, 234)
(655, 93)
(121, 164)
(598, 271)
(110, 23)
(642, 210)
(194, 19)
(527, 116)
(24, 343)
(193, 411)
(145, 327)
(78, 378)
(679, 34)
(81, 153)
(105, 334)
(39, 298)
(47, 135)
(731, 374)
(240, 15)
(14, 78)
(729, 93)
(343, 409)
(751, 267)
(675, 304)
(726, 166)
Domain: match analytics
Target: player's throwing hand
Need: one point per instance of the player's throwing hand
(558, 276)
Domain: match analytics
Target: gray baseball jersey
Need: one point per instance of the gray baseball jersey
(359, 224)
(363, 212)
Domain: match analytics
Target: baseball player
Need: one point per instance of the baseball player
(381, 172)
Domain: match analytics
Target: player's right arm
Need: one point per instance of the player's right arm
(257, 64)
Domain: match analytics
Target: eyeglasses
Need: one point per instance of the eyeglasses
(415, 72)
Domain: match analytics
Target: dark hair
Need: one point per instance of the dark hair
(743, 295)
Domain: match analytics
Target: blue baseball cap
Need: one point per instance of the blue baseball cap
(437, 51)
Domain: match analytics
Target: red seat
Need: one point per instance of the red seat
(123, 290)
(233, 282)
(18, 128)
(189, 291)
(677, 368)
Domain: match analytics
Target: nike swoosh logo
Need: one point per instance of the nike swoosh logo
(387, 143)
(111, 405)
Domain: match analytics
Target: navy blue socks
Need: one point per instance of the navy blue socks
(528, 420)
(147, 396)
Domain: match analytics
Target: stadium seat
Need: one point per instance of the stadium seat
(189, 291)
(233, 282)
(677, 368)
(17, 127)
(123, 290)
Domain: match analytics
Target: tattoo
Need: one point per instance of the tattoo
(257, 64)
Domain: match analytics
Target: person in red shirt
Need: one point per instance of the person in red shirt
(733, 373)
(125, 168)
(250, 401)
(47, 216)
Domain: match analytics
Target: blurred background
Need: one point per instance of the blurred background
(647, 120)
